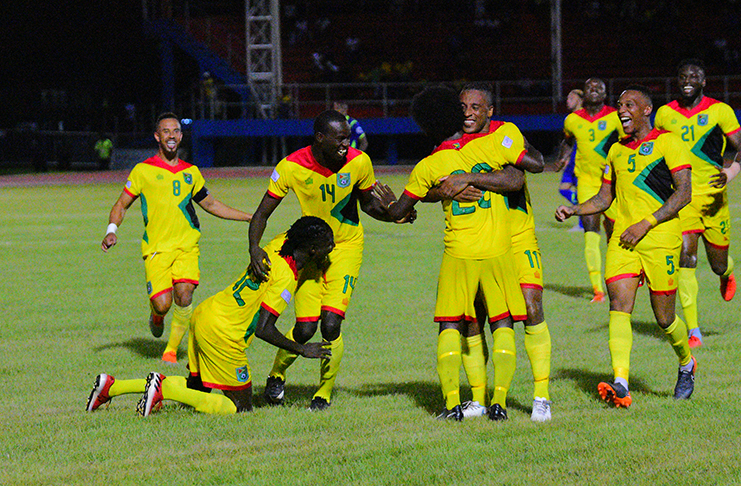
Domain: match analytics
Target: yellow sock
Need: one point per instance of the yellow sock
(593, 256)
(621, 342)
(505, 360)
(174, 388)
(688, 290)
(283, 359)
(449, 365)
(729, 270)
(677, 334)
(178, 326)
(122, 387)
(329, 369)
(538, 347)
(474, 363)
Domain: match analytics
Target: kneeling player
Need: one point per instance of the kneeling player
(222, 328)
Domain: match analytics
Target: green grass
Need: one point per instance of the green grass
(70, 312)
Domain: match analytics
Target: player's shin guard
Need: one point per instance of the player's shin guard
(504, 358)
(283, 359)
(175, 388)
(688, 289)
(122, 387)
(593, 257)
(329, 369)
(178, 327)
(474, 363)
(621, 342)
(677, 335)
(538, 347)
(449, 365)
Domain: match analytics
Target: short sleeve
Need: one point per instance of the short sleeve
(279, 180)
(281, 287)
(727, 119)
(198, 181)
(511, 143)
(135, 182)
(568, 129)
(659, 121)
(676, 153)
(420, 180)
(366, 175)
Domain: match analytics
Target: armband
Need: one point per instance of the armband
(111, 228)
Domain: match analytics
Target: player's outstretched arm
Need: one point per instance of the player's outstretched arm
(375, 203)
(596, 204)
(682, 181)
(266, 330)
(397, 210)
(221, 210)
(118, 211)
(727, 174)
(259, 261)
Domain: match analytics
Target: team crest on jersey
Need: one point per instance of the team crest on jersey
(647, 148)
(188, 178)
(602, 125)
(702, 120)
(343, 179)
(243, 374)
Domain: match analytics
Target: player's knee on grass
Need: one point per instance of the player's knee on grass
(331, 326)
(304, 330)
(242, 399)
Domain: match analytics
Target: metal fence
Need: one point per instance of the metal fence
(375, 100)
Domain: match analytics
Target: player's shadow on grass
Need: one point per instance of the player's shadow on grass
(425, 394)
(147, 348)
(571, 291)
(587, 381)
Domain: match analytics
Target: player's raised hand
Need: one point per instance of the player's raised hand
(563, 213)
(259, 264)
(109, 241)
(316, 350)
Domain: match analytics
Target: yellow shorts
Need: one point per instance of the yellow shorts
(330, 290)
(460, 280)
(163, 269)
(708, 215)
(218, 358)
(585, 190)
(528, 259)
(656, 256)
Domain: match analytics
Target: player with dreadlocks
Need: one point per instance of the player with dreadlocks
(223, 327)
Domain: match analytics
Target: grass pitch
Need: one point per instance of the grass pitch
(71, 312)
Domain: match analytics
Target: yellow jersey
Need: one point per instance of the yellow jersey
(167, 194)
(330, 196)
(594, 136)
(641, 172)
(703, 129)
(238, 305)
(477, 230)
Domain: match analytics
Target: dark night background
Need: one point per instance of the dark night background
(95, 51)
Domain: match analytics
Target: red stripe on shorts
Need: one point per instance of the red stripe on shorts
(622, 276)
